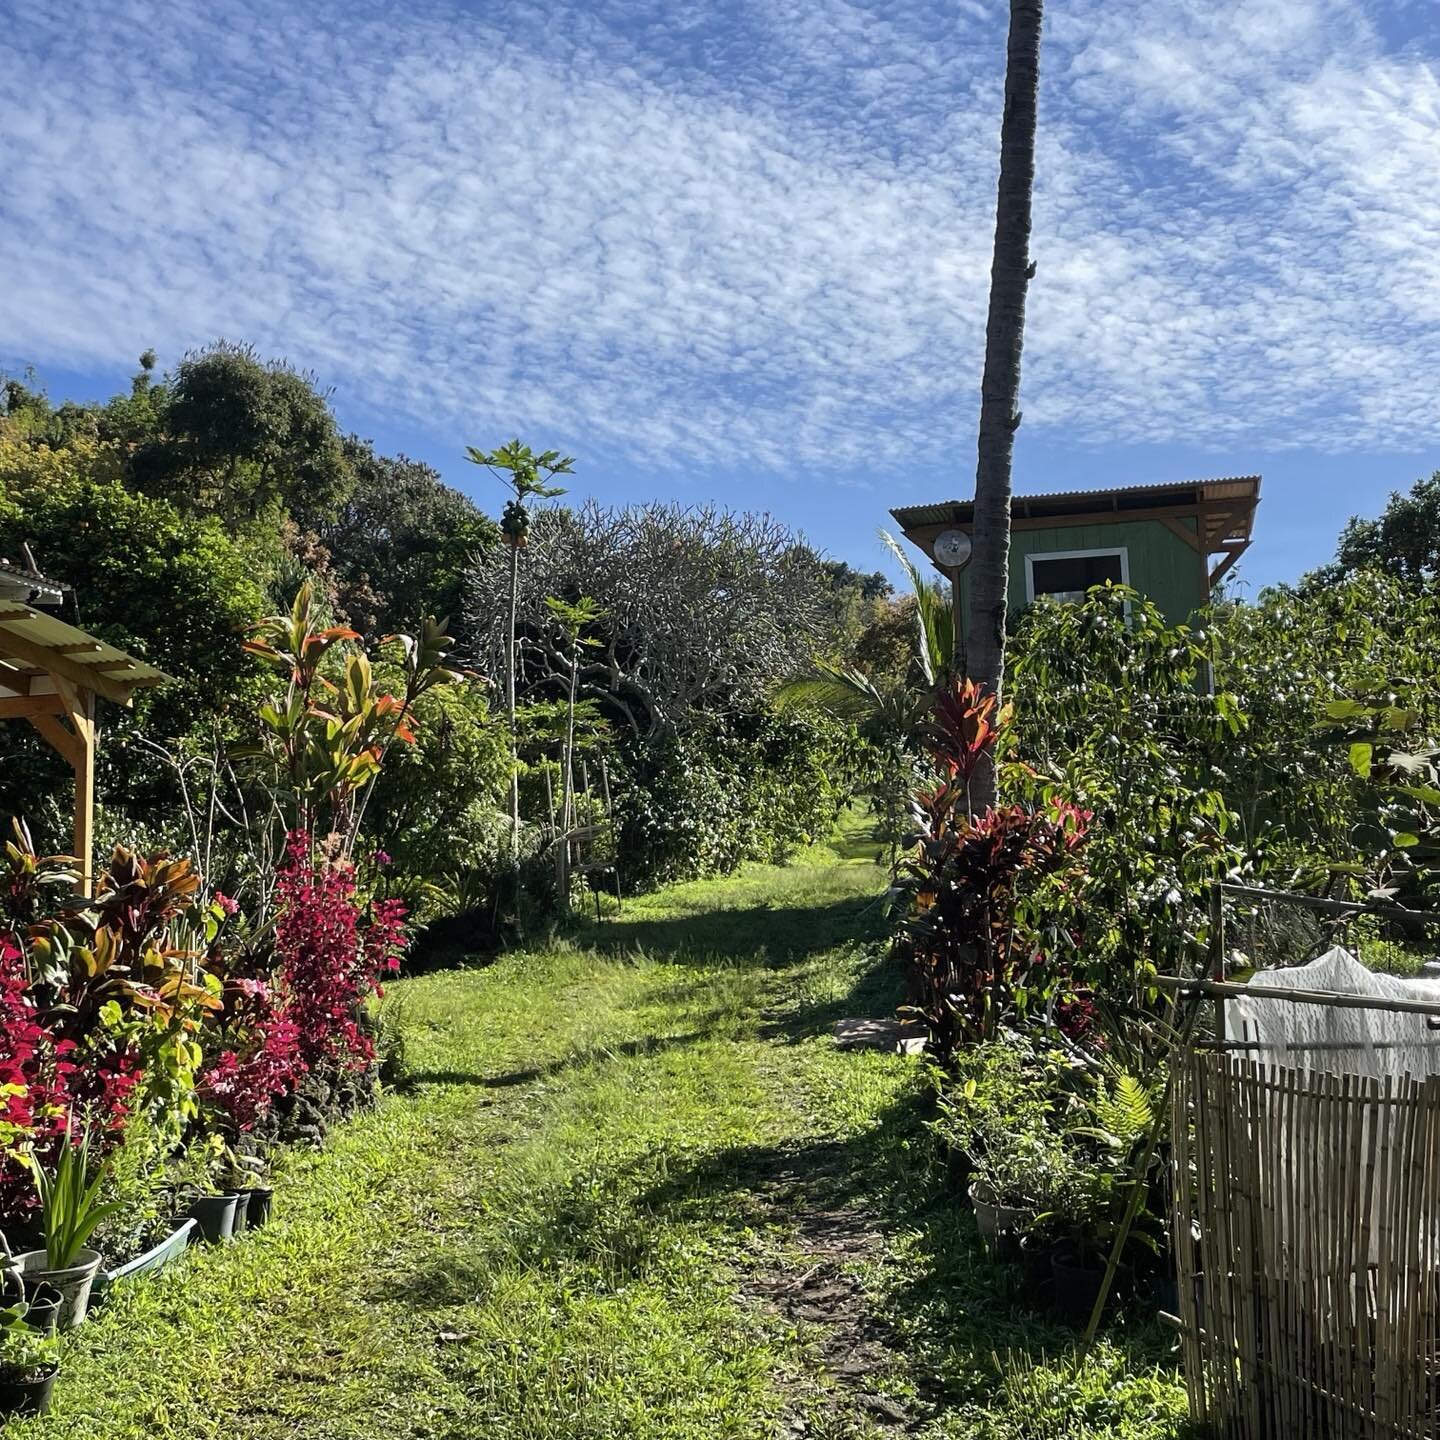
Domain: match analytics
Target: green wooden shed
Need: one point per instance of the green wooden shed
(1174, 542)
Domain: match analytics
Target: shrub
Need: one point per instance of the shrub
(755, 789)
(304, 1014)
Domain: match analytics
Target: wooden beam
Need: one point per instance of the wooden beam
(26, 707)
(83, 720)
(62, 667)
(1190, 537)
(77, 743)
(1232, 554)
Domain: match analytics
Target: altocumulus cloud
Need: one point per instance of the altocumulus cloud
(755, 231)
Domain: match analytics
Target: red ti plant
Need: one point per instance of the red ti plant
(967, 889)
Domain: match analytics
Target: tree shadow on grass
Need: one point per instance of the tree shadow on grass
(945, 1317)
(760, 934)
(805, 1011)
(528, 1075)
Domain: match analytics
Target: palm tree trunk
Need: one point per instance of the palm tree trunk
(1010, 276)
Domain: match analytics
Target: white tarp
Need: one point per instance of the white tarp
(1323, 1039)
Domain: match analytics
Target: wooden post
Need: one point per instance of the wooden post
(1217, 955)
(83, 720)
(75, 742)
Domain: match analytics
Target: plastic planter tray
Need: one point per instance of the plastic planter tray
(157, 1257)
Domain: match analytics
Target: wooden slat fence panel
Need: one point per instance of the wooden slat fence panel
(1308, 1249)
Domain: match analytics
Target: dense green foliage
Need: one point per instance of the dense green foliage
(1403, 541)
(606, 1162)
(179, 512)
(754, 789)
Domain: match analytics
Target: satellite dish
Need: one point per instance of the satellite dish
(952, 549)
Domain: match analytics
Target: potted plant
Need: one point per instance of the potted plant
(240, 1176)
(1089, 1211)
(1015, 1177)
(29, 1363)
(70, 1209)
(199, 1197)
(995, 1111)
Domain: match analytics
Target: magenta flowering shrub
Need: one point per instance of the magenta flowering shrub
(330, 954)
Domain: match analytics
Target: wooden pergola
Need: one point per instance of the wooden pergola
(51, 673)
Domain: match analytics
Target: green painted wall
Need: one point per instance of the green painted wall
(1162, 566)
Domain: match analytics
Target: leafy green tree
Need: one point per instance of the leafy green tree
(1112, 713)
(1404, 541)
(400, 542)
(171, 587)
(239, 436)
(1284, 659)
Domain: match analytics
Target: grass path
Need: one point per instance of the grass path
(629, 1189)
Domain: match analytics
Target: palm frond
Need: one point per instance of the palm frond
(934, 616)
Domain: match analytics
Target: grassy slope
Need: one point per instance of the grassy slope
(547, 1233)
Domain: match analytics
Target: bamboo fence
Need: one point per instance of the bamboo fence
(1308, 1239)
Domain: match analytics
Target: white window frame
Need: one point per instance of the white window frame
(1123, 551)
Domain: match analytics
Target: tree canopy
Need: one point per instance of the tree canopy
(704, 609)
(1403, 541)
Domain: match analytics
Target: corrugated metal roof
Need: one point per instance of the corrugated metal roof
(33, 643)
(26, 587)
(1120, 498)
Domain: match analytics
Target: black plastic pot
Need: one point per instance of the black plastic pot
(262, 1200)
(214, 1217)
(1077, 1287)
(1033, 1256)
(27, 1397)
(43, 1311)
(242, 1211)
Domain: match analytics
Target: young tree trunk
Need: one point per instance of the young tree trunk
(1010, 276)
(567, 781)
(510, 707)
(514, 736)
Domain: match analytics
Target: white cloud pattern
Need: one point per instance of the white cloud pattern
(752, 233)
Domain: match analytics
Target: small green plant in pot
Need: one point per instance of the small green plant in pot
(240, 1177)
(1089, 1211)
(196, 1181)
(29, 1363)
(70, 1209)
(996, 1112)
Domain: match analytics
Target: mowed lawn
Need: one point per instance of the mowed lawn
(628, 1187)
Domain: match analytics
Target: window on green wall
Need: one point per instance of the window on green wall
(1068, 574)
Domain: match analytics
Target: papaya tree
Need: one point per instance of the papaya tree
(529, 477)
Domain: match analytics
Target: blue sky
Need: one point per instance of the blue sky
(739, 250)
